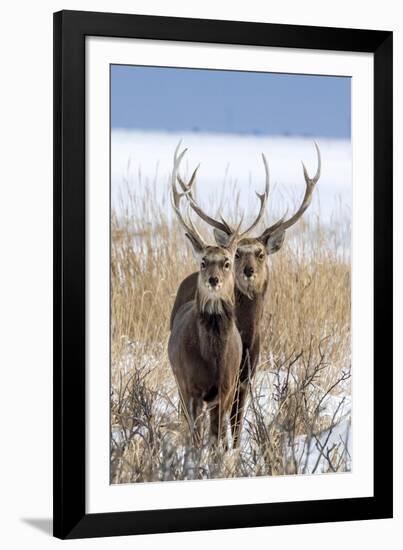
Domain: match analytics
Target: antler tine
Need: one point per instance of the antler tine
(177, 161)
(316, 177)
(187, 190)
(236, 235)
(194, 229)
(175, 205)
(262, 197)
(306, 201)
(222, 225)
(176, 197)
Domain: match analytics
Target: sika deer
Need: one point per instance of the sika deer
(205, 347)
(251, 279)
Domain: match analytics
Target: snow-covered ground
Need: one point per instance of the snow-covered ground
(233, 158)
(310, 452)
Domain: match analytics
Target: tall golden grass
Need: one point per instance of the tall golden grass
(305, 346)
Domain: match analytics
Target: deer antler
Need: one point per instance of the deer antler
(187, 189)
(176, 196)
(223, 225)
(262, 197)
(282, 225)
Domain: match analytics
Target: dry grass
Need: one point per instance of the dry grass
(300, 393)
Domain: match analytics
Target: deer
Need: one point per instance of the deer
(205, 346)
(251, 278)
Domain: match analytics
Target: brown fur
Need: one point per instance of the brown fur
(205, 347)
(249, 305)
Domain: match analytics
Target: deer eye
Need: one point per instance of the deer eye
(227, 265)
(261, 256)
(202, 264)
(236, 256)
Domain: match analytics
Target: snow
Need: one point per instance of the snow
(311, 452)
(308, 450)
(227, 159)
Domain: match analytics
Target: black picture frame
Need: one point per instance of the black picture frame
(70, 31)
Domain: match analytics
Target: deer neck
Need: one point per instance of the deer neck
(215, 321)
(215, 315)
(249, 313)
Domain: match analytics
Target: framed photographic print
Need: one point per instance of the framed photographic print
(223, 314)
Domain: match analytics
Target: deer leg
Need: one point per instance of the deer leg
(247, 371)
(237, 412)
(195, 409)
(218, 426)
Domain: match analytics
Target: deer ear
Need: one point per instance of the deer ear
(221, 237)
(273, 242)
(196, 246)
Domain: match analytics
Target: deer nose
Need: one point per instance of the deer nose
(248, 271)
(213, 281)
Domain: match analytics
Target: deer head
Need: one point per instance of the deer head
(216, 262)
